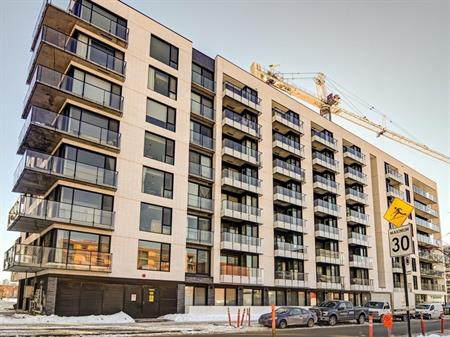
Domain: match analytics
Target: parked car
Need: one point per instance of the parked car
(429, 310)
(333, 312)
(289, 316)
(378, 309)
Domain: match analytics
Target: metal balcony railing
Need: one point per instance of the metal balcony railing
(241, 179)
(291, 275)
(329, 256)
(428, 240)
(355, 174)
(247, 272)
(424, 193)
(241, 208)
(202, 140)
(201, 203)
(355, 154)
(328, 231)
(289, 193)
(395, 191)
(357, 194)
(360, 261)
(324, 138)
(288, 143)
(240, 150)
(288, 119)
(241, 123)
(394, 174)
(358, 216)
(325, 159)
(425, 209)
(427, 224)
(202, 110)
(245, 240)
(242, 95)
(290, 247)
(199, 236)
(284, 166)
(326, 205)
(363, 238)
(330, 279)
(203, 81)
(201, 171)
(328, 183)
(289, 222)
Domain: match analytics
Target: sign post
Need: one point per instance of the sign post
(400, 241)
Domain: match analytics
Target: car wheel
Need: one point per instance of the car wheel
(361, 319)
(332, 320)
(310, 323)
(282, 324)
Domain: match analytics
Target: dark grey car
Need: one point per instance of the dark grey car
(289, 316)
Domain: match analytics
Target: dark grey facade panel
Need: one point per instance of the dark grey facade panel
(203, 60)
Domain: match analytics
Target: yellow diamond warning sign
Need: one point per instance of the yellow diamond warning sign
(398, 212)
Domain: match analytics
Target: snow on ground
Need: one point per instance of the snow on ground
(15, 319)
(7, 303)
(204, 318)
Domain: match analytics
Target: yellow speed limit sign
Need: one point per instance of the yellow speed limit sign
(398, 212)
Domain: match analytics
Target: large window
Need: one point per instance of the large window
(159, 148)
(197, 261)
(84, 198)
(194, 296)
(157, 182)
(73, 240)
(225, 296)
(252, 297)
(86, 157)
(164, 52)
(155, 219)
(162, 83)
(160, 114)
(200, 223)
(154, 256)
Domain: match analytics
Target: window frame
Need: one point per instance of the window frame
(168, 159)
(166, 124)
(160, 256)
(165, 175)
(208, 252)
(172, 48)
(171, 94)
(163, 224)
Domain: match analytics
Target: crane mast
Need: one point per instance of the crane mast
(328, 104)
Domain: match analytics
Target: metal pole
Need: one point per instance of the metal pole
(405, 281)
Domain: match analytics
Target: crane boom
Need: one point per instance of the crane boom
(329, 104)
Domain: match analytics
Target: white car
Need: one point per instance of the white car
(429, 310)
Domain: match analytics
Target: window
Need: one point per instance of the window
(413, 264)
(153, 256)
(194, 296)
(159, 148)
(406, 179)
(164, 52)
(408, 196)
(252, 297)
(155, 219)
(84, 198)
(157, 182)
(415, 283)
(197, 261)
(225, 296)
(200, 223)
(73, 240)
(87, 157)
(201, 105)
(160, 114)
(203, 77)
(162, 83)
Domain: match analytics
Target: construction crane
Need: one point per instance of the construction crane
(328, 105)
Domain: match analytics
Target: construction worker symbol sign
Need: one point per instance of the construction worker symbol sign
(398, 212)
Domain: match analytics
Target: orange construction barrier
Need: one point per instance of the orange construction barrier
(238, 318)
(422, 325)
(370, 326)
(442, 323)
(388, 323)
(243, 316)
(273, 321)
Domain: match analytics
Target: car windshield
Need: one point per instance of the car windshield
(374, 305)
(423, 306)
(328, 304)
(282, 310)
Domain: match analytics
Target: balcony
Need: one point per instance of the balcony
(424, 196)
(237, 126)
(393, 192)
(44, 129)
(352, 156)
(284, 221)
(428, 241)
(236, 182)
(286, 196)
(322, 163)
(205, 113)
(357, 218)
(330, 282)
(291, 279)
(27, 258)
(324, 185)
(426, 256)
(290, 250)
(328, 232)
(201, 171)
(329, 256)
(361, 284)
(354, 176)
(284, 122)
(242, 96)
(201, 141)
(37, 172)
(321, 140)
(358, 261)
(394, 176)
(242, 243)
(427, 226)
(54, 45)
(240, 275)
(199, 237)
(284, 171)
(397, 267)
(237, 211)
(237, 154)
(203, 82)
(30, 214)
(323, 207)
(353, 196)
(200, 204)
(431, 273)
(433, 287)
(284, 146)
(358, 239)
(425, 211)
(47, 82)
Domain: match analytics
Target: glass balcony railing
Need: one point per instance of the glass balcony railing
(242, 209)
(357, 216)
(330, 279)
(360, 261)
(431, 272)
(329, 256)
(355, 154)
(202, 110)
(65, 168)
(239, 179)
(290, 247)
(324, 138)
(289, 169)
(68, 125)
(355, 174)
(428, 240)
(288, 119)
(89, 14)
(81, 49)
(325, 160)
(319, 203)
(328, 231)
(288, 144)
(358, 238)
(241, 274)
(202, 140)
(201, 203)
(242, 95)
(433, 257)
(397, 266)
(289, 222)
(426, 209)
(55, 211)
(76, 87)
(433, 287)
(350, 192)
(291, 275)
(240, 151)
(427, 224)
(327, 183)
(394, 174)
(361, 282)
(298, 197)
(199, 236)
(424, 193)
(245, 240)
(201, 171)
(395, 192)
(38, 257)
(241, 123)
(203, 81)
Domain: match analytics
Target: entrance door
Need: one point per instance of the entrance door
(150, 302)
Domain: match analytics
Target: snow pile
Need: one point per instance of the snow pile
(118, 318)
(433, 335)
(206, 317)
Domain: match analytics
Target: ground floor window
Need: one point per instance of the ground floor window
(252, 297)
(194, 295)
(225, 296)
(298, 298)
(327, 296)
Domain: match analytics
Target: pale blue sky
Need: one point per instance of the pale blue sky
(394, 54)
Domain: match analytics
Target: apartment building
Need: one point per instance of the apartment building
(154, 178)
